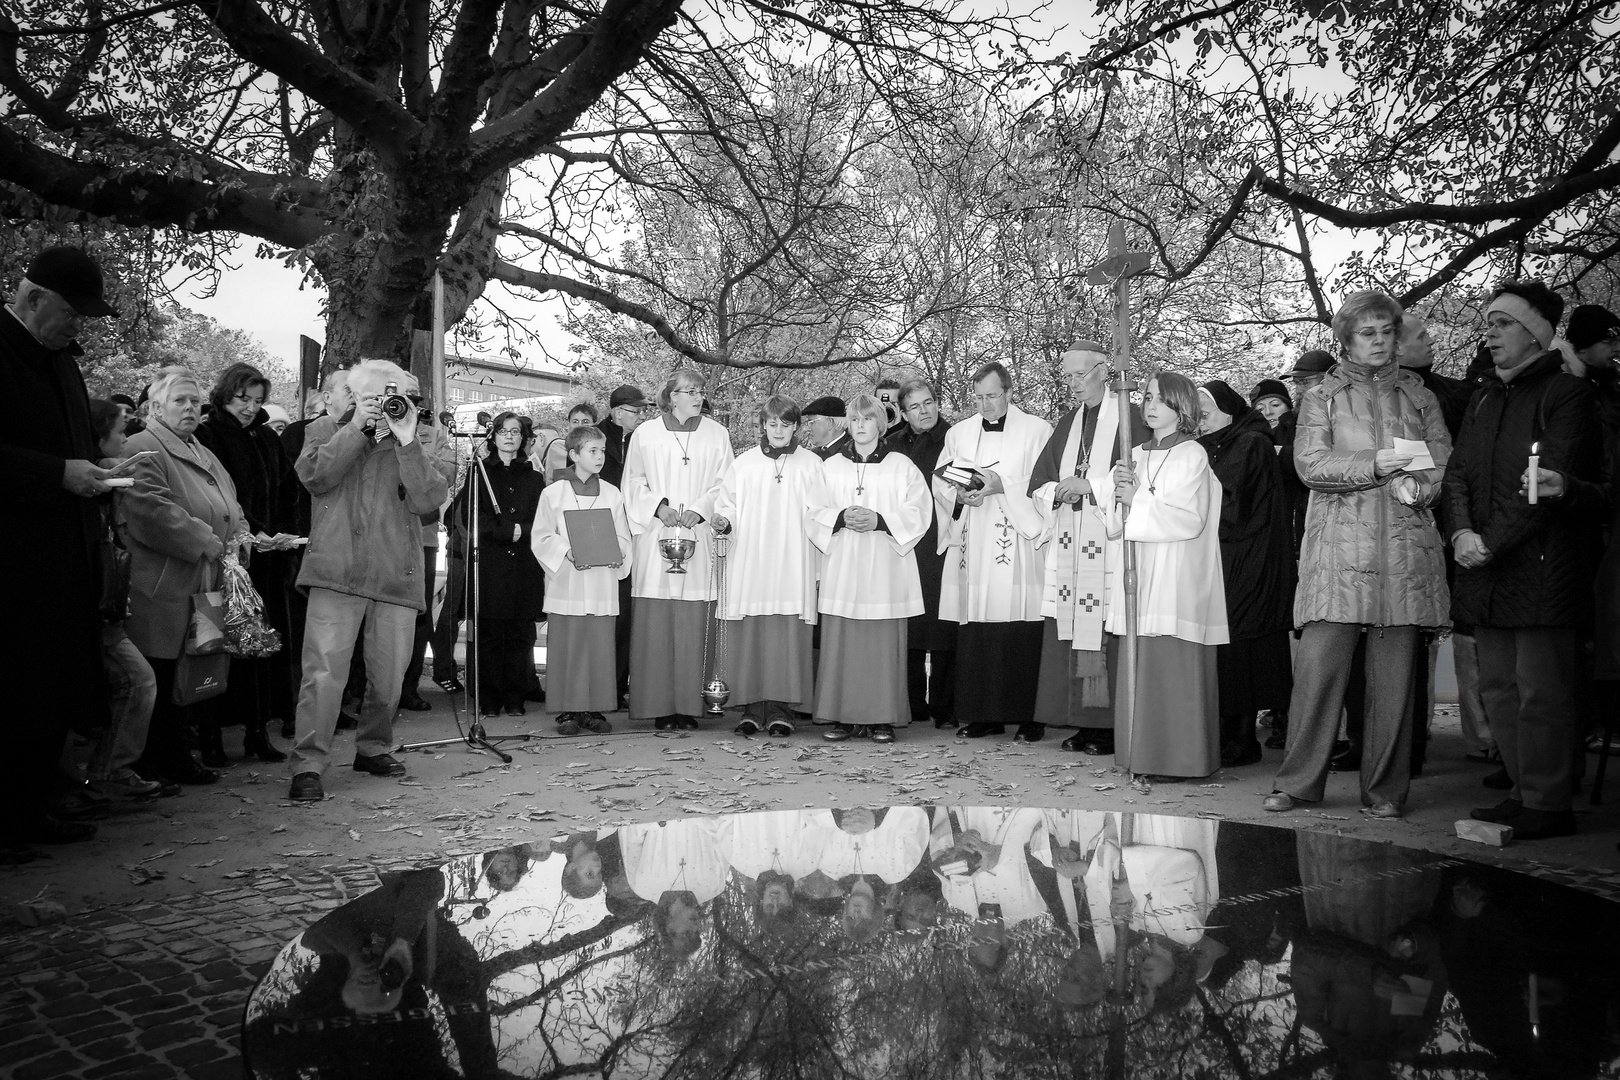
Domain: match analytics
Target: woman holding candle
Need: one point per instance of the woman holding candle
(1525, 571)
(1372, 559)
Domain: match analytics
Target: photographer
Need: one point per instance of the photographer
(372, 472)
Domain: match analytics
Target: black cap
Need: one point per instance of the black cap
(627, 395)
(74, 276)
(1590, 324)
(824, 406)
(122, 399)
(1314, 362)
(1271, 388)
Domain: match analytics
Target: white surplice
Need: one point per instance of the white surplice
(684, 469)
(1009, 882)
(871, 575)
(995, 569)
(1175, 524)
(773, 566)
(786, 841)
(891, 851)
(665, 856)
(570, 590)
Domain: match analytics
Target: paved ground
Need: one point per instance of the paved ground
(173, 912)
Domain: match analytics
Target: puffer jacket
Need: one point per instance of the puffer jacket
(367, 497)
(1368, 558)
(1543, 556)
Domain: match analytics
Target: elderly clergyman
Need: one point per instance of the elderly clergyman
(49, 556)
(993, 578)
(1079, 662)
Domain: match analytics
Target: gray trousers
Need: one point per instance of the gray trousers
(330, 629)
(132, 694)
(1528, 679)
(1476, 729)
(1321, 676)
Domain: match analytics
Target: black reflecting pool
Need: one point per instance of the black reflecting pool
(944, 942)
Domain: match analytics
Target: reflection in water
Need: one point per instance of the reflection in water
(942, 942)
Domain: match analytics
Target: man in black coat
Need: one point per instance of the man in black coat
(49, 554)
(626, 407)
(1526, 570)
(930, 641)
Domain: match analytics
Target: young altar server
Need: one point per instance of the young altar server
(877, 508)
(770, 601)
(1174, 519)
(582, 602)
(673, 470)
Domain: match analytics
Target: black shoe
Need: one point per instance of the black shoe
(1499, 781)
(379, 764)
(883, 733)
(568, 724)
(748, 726)
(686, 723)
(347, 722)
(595, 723)
(50, 829)
(947, 722)
(1030, 732)
(1504, 811)
(80, 806)
(666, 723)
(188, 770)
(289, 729)
(1278, 739)
(306, 787)
(979, 731)
(412, 701)
(1347, 759)
(1237, 755)
(1542, 824)
(450, 685)
(516, 710)
(838, 733)
(538, 696)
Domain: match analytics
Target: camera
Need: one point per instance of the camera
(392, 974)
(395, 405)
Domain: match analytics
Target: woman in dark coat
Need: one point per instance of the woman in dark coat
(510, 594)
(1257, 563)
(237, 431)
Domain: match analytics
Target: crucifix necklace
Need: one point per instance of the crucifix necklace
(781, 465)
(686, 457)
(1153, 477)
(860, 478)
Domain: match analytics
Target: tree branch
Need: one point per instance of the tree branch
(1095, 62)
(98, 25)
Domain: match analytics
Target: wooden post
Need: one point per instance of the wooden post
(441, 400)
(309, 371)
(1116, 271)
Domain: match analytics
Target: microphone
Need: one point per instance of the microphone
(484, 419)
(448, 419)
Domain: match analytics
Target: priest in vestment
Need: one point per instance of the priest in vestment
(770, 609)
(994, 572)
(1079, 660)
(673, 472)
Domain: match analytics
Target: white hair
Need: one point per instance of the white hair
(375, 373)
(158, 393)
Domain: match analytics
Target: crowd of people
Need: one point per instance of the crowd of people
(862, 566)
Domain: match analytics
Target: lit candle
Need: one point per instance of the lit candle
(1535, 1006)
(1535, 462)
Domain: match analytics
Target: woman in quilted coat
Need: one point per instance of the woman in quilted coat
(1372, 560)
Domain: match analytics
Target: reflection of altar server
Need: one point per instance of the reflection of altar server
(1170, 875)
(786, 841)
(1001, 876)
(771, 578)
(888, 843)
(681, 854)
(672, 473)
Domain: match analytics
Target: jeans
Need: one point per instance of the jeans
(1476, 729)
(133, 693)
(448, 628)
(424, 624)
(331, 628)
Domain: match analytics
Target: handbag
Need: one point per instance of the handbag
(205, 633)
(198, 678)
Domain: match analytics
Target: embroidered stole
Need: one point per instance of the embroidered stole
(1080, 542)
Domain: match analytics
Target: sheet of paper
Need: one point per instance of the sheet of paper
(1421, 458)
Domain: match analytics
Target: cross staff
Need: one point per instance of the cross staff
(1117, 271)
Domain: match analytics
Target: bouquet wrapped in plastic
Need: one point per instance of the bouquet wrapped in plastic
(246, 630)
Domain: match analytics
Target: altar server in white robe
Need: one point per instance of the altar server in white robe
(886, 843)
(1174, 520)
(1079, 659)
(673, 471)
(994, 569)
(770, 601)
(676, 864)
(582, 603)
(876, 510)
(781, 845)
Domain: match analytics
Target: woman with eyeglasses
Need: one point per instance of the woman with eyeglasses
(511, 591)
(237, 429)
(673, 472)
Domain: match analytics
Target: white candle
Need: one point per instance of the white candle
(1535, 462)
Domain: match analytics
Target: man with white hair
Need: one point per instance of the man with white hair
(1079, 661)
(49, 551)
(372, 476)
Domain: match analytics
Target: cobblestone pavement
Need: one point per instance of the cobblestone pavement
(148, 975)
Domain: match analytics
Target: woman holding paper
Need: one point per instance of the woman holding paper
(1372, 560)
(582, 592)
(877, 508)
(511, 589)
(771, 591)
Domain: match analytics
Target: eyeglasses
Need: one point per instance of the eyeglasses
(985, 399)
(919, 406)
(693, 393)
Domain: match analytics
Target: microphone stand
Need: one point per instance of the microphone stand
(473, 735)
